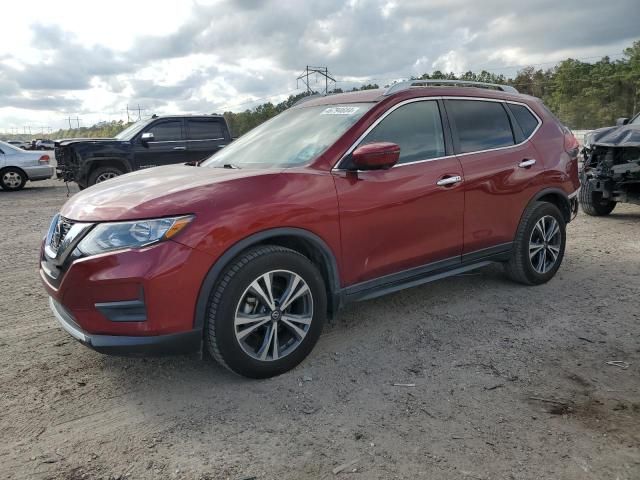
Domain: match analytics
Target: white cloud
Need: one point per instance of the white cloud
(91, 58)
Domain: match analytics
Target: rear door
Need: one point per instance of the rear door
(502, 171)
(205, 136)
(167, 147)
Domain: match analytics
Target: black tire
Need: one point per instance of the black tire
(592, 202)
(520, 266)
(97, 174)
(12, 179)
(225, 299)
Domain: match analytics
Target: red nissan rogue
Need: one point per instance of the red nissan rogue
(339, 199)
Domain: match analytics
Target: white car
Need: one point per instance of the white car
(19, 144)
(17, 166)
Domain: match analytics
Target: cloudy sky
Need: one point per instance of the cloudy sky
(91, 58)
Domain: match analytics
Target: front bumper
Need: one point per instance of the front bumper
(132, 301)
(183, 342)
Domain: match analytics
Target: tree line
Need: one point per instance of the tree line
(582, 95)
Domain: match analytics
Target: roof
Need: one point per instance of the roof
(377, 95)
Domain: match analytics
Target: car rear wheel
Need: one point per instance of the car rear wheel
(592, 202)
(102, 174)
(12, 179)
(538, 248)
(266, 313)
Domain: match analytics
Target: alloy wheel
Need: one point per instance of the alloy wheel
(105, 176)
(12, 179)
(544, 244)
(273, 315)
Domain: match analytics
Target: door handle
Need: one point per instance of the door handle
(179, 148)
(527, 163)
(443, 182)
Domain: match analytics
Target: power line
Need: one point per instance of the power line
(309, 71)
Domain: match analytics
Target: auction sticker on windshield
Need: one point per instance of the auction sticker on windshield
(340, 110)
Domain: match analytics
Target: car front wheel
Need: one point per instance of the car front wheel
(266, 313)
(538, 248)
(102, 174)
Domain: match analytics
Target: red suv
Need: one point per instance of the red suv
(339, 199)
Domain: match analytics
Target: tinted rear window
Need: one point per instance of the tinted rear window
(525, 119)
(480, 125)
(203, 129)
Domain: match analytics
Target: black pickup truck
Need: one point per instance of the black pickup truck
(160, 140)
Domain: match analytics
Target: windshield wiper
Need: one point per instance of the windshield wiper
(231, 165)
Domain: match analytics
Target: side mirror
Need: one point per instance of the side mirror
(622, 121)
(146, 137)
(376, 156)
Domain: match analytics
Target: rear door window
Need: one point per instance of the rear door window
(479, 125)
(416, 127)
(204, 129)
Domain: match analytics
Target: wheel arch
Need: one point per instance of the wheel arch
(16, 167)
(557, 197)
(92, 164)
(303, 241)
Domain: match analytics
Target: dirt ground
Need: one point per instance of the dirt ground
(511, 382)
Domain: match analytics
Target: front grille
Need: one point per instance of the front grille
(60, 232)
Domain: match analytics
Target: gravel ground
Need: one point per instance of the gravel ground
(510, 382)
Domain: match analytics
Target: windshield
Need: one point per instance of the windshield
(295, 137)
(635, 120)
(131, 131)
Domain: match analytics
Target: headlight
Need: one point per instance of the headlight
(106, 237)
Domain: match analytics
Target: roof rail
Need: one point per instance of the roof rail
(447, 83)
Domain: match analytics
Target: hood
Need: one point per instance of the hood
(154, 192)
(622, 136)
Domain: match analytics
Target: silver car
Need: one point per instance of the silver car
(17, 166)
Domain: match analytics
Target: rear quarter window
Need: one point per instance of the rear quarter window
(528, 123)
(480, 125)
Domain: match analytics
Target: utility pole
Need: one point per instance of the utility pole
(309, 71)
(69, 119)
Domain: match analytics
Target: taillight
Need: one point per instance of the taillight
(44, 159)
(571, 145)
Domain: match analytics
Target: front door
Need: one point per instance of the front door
(168, 145)
(410, 215)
